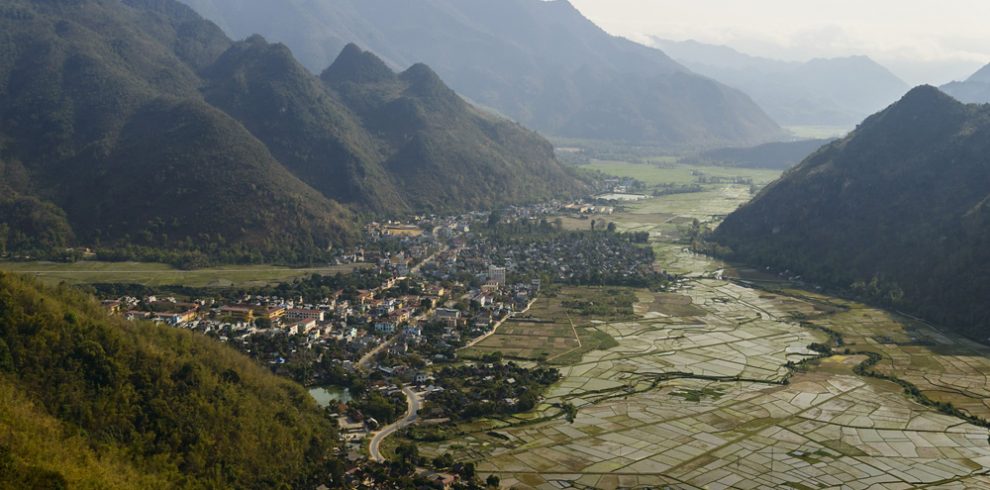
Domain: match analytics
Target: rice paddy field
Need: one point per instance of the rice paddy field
(713, 385)
(550, 331)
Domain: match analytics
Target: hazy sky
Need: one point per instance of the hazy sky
(922, 41)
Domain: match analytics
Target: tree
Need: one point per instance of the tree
(494, 219)
(446, 460)
(6, 359)
(7, 465)
(4, 232)
(407, 453)
(467, 471)
(570, 412)
(493, 481)
(611, 227)
(493, 357)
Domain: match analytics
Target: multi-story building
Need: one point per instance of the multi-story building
(304, 314)
(496, 275)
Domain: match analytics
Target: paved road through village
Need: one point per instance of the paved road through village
(412, 402)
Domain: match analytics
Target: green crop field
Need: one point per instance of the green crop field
(153, 274)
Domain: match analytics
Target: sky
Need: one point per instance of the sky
(922, 41)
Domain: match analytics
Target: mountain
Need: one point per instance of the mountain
(974, 90)
(104, 129)
(781, 156)
(123, 121)
(442, 153)
(897, 212)
(90, 401)
(820, 92)
(381, 141)
(541, 63)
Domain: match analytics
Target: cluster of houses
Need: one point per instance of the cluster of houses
(565, 258)
(361, 320)
(581, 208)
(459, 279)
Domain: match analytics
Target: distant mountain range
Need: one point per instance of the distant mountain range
(974, 90)
(821, 92)
(138, 123)
(897, 212)
(540, 62)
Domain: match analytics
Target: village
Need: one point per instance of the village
(427, 288)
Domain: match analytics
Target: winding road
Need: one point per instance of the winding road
(412, 410)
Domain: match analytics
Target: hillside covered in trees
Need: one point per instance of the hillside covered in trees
(898, 213)
(139, 125)
(87, 401)
(542, 63)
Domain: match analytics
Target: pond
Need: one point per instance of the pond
(327, 394)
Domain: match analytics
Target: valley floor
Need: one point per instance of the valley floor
(154, 274)
(700, 390)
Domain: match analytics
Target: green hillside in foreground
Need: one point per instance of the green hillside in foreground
(897, 212)
(137, 125)
(88, 401)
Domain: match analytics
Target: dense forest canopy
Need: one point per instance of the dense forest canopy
(898, 212)
(98, 402)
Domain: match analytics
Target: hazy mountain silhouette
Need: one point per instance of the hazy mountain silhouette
(541, 63)
(833, 92)
(974, 90)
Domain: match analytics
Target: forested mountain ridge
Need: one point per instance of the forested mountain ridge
(102, 120)
(96, 402)
(311, 132)
(381, 141)
(440, 151)
(897, 212)
(123, 121)
(541, 63)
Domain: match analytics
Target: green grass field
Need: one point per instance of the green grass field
(152, 274)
